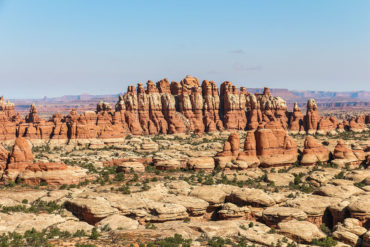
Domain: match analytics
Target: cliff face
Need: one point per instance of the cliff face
(176, 107)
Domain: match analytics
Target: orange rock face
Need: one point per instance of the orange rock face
(265, 147)
(176, 121)
(314, 152)
(344, 156)
(327, 124)
(357, 124)
(7, 107)
(234, 103)
(21, 152)
(249, 154)
(7, 127)
(231, 146)
(273, 110)
(275, 148)
(4, 155)
(296, 120)
(312, 117)
(212, 121)
(190, 102)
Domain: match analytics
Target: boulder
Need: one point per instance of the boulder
(300, 231)
(349, 232)
(90, 209)
(359, 209)
(211, 194)
(231, 211)
(134, 166)
(201, 163)
(274, 215)
(253, 197)
(340, 191)
(280, 179)
(119, 222)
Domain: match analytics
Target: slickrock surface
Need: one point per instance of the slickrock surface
(216, 166)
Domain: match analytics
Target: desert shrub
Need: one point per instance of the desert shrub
(79, 233)
(94, 234)
(176, 241)
(325, 242)
(325, 229)
(219, 242)
(85, 245)
(125, 189)
(339, 175)
(36, 207)
(150, 226)
(120, 177)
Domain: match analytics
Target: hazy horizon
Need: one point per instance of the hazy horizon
(124, 91)
(56, 48)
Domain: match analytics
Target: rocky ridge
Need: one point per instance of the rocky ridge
(169, 108)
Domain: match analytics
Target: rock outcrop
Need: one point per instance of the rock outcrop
(22, 169)
(314, 152)
(312, 117)
(275, 148)
(296, 124)
(229, 153)
(345, 156)
(264, 147)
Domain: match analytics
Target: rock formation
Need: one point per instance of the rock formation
(230, 152)
(344, 156)
(233, 106)
(314, 152)
(275, 148)
(327, 125)
(22, 169)
(357, 124)
(4, 155)
(249, 154)
(265, 147)
(212, 121)
(312, 117)
(296, 124)
(169, 108)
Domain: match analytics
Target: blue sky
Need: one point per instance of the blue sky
(63, 47)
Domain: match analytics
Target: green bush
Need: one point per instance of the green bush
(120, 177)
(36, 207)
(125, 189)
(325, 229)
(85, 245)
(219, 242)
(175, 241)
(325, 242)
(150, 226)
(94, 234)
